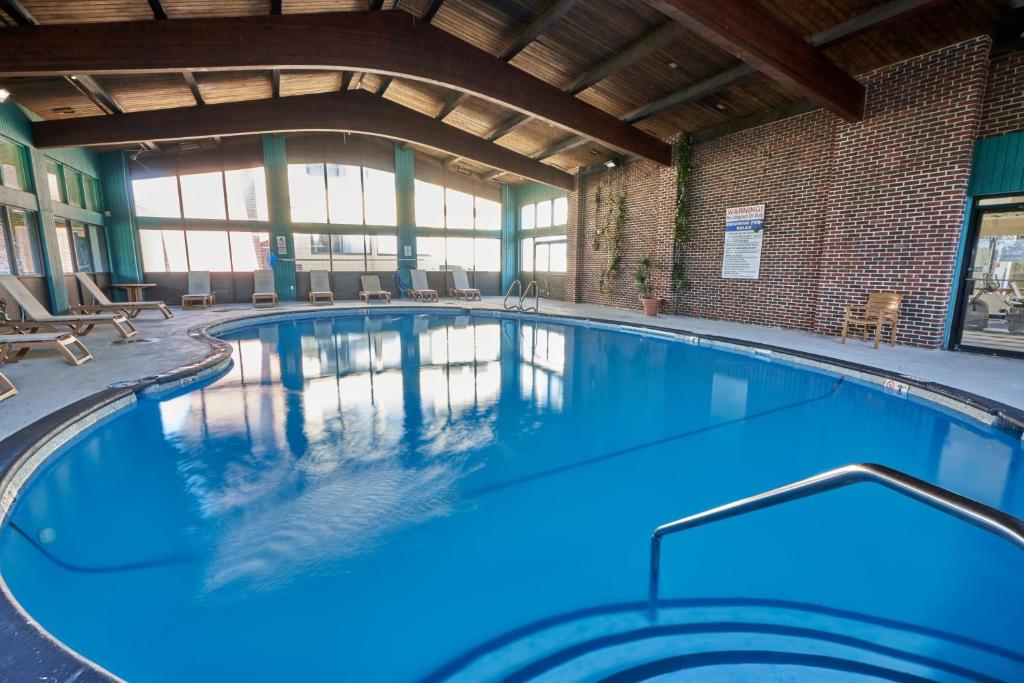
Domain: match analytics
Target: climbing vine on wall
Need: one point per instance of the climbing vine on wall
(683, 153)
(610, 218)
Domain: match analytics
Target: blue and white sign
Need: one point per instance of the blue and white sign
(744, 234)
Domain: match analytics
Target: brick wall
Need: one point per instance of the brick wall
(851, 208)
(1004, 102)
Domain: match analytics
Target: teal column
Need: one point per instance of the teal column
(120, 225)
(282, 245)
(509, 243)
(48, 236)
(405, 188)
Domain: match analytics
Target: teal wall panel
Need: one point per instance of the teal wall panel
(122, 230)
(405, 178)
(998, 165)
(48, 237)
(509, 241)
(275, 162)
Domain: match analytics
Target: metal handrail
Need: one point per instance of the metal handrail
(988, 518)
(536, 297)
(512, 286)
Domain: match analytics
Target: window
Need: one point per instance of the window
(550, 255)
(561, 211)
(430, 253)
(202, 196)
(163, 251)
(82, 246)
(67, 261)
(429, 200)
(178, 251)
(348, 252)
(488, 214)
(344, 194)
(543, 214)
(6, 264)
(23, 241)
(487, 254)
(383, 252)
(526, 255)
(93, 198)
(247, 194)
(356, 253)
(99, 249)
(459, 252)
(208, 250)
(307, 192)
(13, 170)
(527, 217)
(155, 197)
(73, 187)
(313, 251)
(54, 181)
(249, 251)
(459, 209)
(380, 200)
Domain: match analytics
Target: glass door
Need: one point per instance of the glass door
(991, 302)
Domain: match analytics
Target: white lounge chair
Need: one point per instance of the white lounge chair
(460, 288)
(36, 317)
(13, 347)
(420, 289)
(371, 289)
(199, 290)
(320, 287)
(101, 303)
(264, 292)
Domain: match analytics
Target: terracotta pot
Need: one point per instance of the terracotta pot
(650, 305)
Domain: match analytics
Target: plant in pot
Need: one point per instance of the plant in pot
(645, 286)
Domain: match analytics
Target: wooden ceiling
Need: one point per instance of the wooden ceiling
(556, 41)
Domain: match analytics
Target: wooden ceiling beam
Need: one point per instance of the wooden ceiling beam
(276, 6)
(193, 85)
(428, 16)
(385, 83)
(16, 11)
(375, 5)
(391, 43)
(559, 147)
(275, 82)
(157, 9)
(346, 80)
(353, 112)
(748, 31)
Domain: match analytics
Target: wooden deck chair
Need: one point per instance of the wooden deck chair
(13, 347)
(320, 288)
(371, 289)
(101, 303)
(420, 289)
(199, 291)
(7, 388)
(460, 288)
(883, 308)
(264, 293)
(35, 317)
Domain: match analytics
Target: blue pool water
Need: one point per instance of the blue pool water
(406, 497)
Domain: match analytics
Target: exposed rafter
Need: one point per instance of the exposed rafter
(346, 80)
(275, 6)
(385, 83)
(558, 148)
(375, 5)
(190, 80)
(355, 112)
(157, 9)
(275, 83)
(15, 10)
(748, 31)
(432, 8)
(390, 43)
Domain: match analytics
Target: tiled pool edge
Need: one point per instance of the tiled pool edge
(37, 654)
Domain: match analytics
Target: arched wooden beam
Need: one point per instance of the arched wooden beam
(392, 43)
(352, 112)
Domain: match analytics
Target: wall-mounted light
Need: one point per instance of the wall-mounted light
(610, 163)
(4, 94)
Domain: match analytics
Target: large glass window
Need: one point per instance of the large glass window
(73, 187)
(313, 251)
(459, 206)
(429, 205)
(178, 251)
(99, 248)
(380, 200)
(13, 169)
(345, 194)
(202, 196)
(307, 191)
(526, 255)
(342, 194)
(24, 241)
(93, 198)
(157, 197)
(560, 211)
(250, 251)
(430, 253)
(550, 255)
(543, 214)
(67, 260)
(488, 214)
(6, 263)
(487, 254)
(528, 217)
(459, 252)
(358, 253)
(54, 181)
(82, 246)
(208, 250)
(247, 194)
(163, 251)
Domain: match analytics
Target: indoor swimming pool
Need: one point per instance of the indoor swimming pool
(441, 496)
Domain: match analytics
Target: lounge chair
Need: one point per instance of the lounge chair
(420, 289)
(199, 291)
(7, 388)
(883, 308)
(320, 288)
(35, 317)
(460, 288)
(264, 294)
(13, 347)
(102, 304)
(371, 289)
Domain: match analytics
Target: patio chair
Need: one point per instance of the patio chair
(420, 289)
(320, 288)
(371, 289)
(460, 288)
(102, 304)
(264, 293)
(199, 291)
(13, 347)
(883, 308)
(7, 388)
(35, 317)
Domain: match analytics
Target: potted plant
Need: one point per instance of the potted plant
(645, 285)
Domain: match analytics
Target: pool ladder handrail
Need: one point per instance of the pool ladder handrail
(988, 518)
(518, 306)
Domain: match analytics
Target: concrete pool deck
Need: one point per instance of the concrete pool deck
(46, 383)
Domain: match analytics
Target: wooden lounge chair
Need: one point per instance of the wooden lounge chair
(320, 288)
(371, 289)
(883, 308)
(13, 347)
(264, 293)
(199, 291)
(420, 289)
(7, 388)
(460, 288)
(35, 317)
(103, 304)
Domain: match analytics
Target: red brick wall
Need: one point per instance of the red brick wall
(1004, 102)
(851, 208)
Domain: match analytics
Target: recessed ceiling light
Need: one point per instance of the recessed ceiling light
(719, 106)
(610, 163)
(673, 65)
(4, 94)
(74, 78)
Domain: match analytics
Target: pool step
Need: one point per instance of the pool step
(730, 642)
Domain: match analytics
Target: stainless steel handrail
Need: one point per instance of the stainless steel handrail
(988, 518)
(512, 286)
(536, 297)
